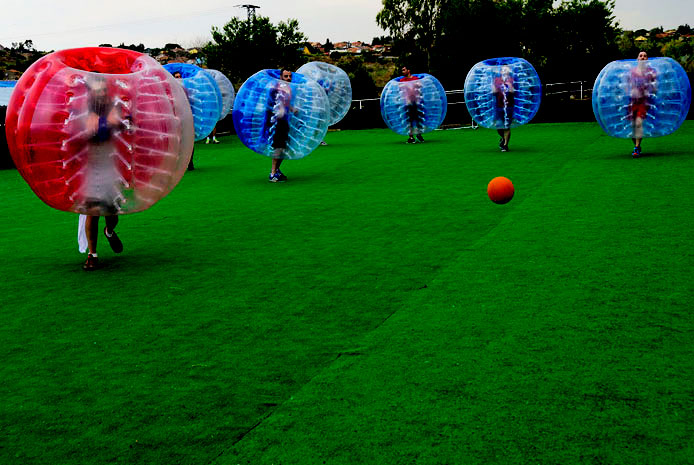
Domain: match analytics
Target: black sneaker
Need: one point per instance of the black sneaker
(411, 140)
(420, 138)
(504, 148)
(114, 242)
(501, 143)
(91, 264)
(282, 177)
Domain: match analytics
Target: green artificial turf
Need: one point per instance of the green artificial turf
(377, 308)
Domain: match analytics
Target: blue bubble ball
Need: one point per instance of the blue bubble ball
(502, 93)
(335, 83)
(413, 106)
(657, 93)
(204, 96)
(227, 90)
(279, 119)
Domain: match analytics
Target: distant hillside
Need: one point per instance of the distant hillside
(369, 69)
(16, 59)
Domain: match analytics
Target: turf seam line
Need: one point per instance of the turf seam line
(434, 278)
(300, 388)
(248, 431)
(559, 173)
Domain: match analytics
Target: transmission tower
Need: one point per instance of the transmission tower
(250, 9)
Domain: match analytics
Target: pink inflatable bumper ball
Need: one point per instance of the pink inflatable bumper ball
(99, 131)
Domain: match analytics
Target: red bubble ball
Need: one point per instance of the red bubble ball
(99, 131)
(500, 190)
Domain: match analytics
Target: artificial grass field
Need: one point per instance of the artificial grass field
(375, 309)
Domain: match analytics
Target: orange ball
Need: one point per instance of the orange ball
(500, 190)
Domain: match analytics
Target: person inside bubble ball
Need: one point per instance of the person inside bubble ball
(280, 99)
(101, 190)
(412, 95)
(213, 135)
(642, 84)
(191, 166)
(504, 90)
(327, 86)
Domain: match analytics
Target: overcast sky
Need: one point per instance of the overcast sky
(54, 25)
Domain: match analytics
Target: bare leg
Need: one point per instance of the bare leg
(276, 162)
(638, 136)
(91, 227)
(505, 135)
(638, 131)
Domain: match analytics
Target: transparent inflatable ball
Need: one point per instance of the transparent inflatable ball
(203, 94)
(227, 90)
(502, 93)
(281, 119)
(99, 131)
(335, 83)
(653, 95)
(414, 106)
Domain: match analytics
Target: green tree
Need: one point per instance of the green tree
(626, 43)
(585, 39)
(474, 30)
(26, 46)
(138, 48)
(291, 42)
(681, 51)
(536, 17)
(19, 56)
(382, 40)
(684, 29)
(363, 85)
(414, 24)
(243, 47)
(568, 39)
(655, 30)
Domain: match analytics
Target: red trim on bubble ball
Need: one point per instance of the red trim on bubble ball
(22, 104)
(35, 161)
(100, 59)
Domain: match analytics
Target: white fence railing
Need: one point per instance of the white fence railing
(577, 89)
(581, 90)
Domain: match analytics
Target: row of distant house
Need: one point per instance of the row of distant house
(193, 56)
(356, 48)
(178, 55)
(672, 33)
